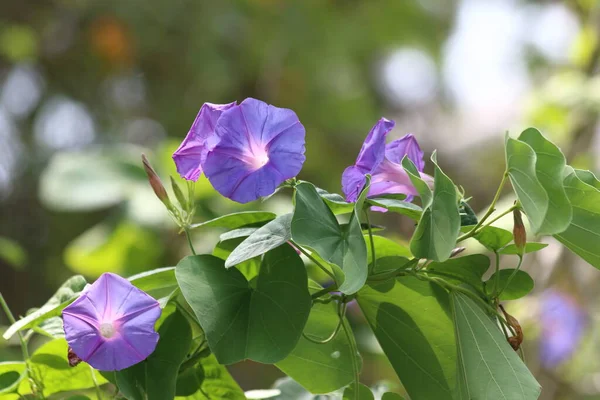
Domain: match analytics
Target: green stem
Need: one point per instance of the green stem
(466, 292)
(24, 351)
(497, 280)
(341, 314)
(95, 381)
(314, 260)
(354, 352)
(324, 291)
(510, 278)
(12, 320)
(189, 239)
(489, 212)
(373, 256)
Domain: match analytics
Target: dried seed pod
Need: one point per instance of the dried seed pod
(73, 358)
(516, 340)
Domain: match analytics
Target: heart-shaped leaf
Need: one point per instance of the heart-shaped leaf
(439, 226)
(315, 226)
(521, 168)
(469, 269)
(583, 234)
(549, 168)
(411, 320)
(488, 368)
(241, 322)
(320, 368)
(269, 236)
(398, 206)
(237, 220)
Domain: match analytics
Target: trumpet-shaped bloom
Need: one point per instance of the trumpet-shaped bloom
(201, 138)
(259, 147)
(384, 164)
(111, 325)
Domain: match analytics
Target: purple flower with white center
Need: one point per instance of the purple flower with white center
(201, 138)
(563, 323)
(111, 325)
(260, 146)
(384, 164)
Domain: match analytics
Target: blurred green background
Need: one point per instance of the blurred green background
(86, 87)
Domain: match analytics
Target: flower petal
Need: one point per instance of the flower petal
(129, 312)
(353, 180)
(260, 146)
(119, 353)
(373, 149)
(192, 152)
(406, 146)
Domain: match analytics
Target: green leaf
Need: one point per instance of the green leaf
(237, 233)
(422, 187)
(469, 269)
(213, 382)
(587, 177)
(315, 226)
(398, 206)
(550, 167)
(51, 327)
(529, 248)
(51, 365)
(583, 235)
(12, 253)
(11, 374)
(411, 320)
(53, 307)
(267, 237)
(520, 285)
(364, 393)
(391, 396)
(237, 220)
(521, 164)
(249, 268)
(162, 366)
(439, 226)
(156, 377)
(159, 283)
(493, 238)
(385, 247)
(239, 321)
(336, 203)
(488, 368)
(320, 368)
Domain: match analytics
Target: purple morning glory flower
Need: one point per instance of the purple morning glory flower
(563, 323)
(260, 146)
(111, 325)
(384, 164)
(201, 138)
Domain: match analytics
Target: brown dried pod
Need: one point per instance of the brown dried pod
(73, 358)
(516, 340)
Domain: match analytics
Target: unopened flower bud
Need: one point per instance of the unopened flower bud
(179, 194)
(519, 234)
(156, 184)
